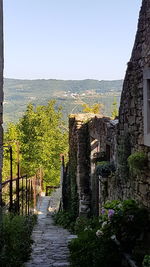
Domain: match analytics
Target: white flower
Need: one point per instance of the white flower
(99, 233)
(103, 224)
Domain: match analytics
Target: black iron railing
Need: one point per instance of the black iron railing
(20, 194)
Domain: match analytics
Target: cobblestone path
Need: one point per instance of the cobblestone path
(50, 241)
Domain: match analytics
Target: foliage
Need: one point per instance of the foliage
(42, 139)
(146, 261)
(75, 225)
(83, 224)
(97, 244)
(89, 251)
(15, 239)
(95, 108)
(104, 168)
(114, 113)
(65, 219)
(10, 137)
(137, 161)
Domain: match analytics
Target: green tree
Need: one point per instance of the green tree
(42, 139)
(10, 138)
(114, 112)
(95, 108)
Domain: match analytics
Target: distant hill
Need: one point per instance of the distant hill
(68, 93)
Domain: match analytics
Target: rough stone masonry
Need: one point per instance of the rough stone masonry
(89, 136)
(134, 113)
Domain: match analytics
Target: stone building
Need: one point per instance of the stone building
(130, 135)
(134, 114)
(90, 137)
(1, 85)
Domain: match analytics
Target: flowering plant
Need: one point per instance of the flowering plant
(119, 224)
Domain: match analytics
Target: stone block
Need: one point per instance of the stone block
(143, 189)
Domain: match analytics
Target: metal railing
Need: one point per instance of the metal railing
(20, 194)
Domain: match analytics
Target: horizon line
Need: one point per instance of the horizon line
(35, 79)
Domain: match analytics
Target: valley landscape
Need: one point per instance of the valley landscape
(70, 94)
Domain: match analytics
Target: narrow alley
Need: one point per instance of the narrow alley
(50, 241)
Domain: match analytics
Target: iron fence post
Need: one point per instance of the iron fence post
(31, 192)
(26, 208)
(22, 196)
(11, 177)
(18, 177)
(28, 196)
(34, 188)
(41, 180)
(17, 190)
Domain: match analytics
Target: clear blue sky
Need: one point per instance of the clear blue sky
(69, 39)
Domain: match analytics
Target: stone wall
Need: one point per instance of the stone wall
(130, 136)
(89, 135)
(93, 134)
(1, 86)
(102, 133)
(79, 166)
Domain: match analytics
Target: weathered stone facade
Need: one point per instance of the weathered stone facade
(131, 113)
(92, 134)
(79, 165)
(1, 85)
(89, 135)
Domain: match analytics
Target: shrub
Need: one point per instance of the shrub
(15, 239)
(104, 168)
(137, 162)
(84, 224)
(146, 261)
(90, 251)
(65, 219)
(120, 223)
(76, 226)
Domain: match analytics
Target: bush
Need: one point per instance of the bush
(76, 226)
(121, 223)
(84, 224)
(15, 239)
(137, 162)
(65, 219)
(90, 251)
(146, 261)
(104, 168)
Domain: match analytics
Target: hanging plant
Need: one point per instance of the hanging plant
(104, 168)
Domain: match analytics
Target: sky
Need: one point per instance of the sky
(69, 39)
